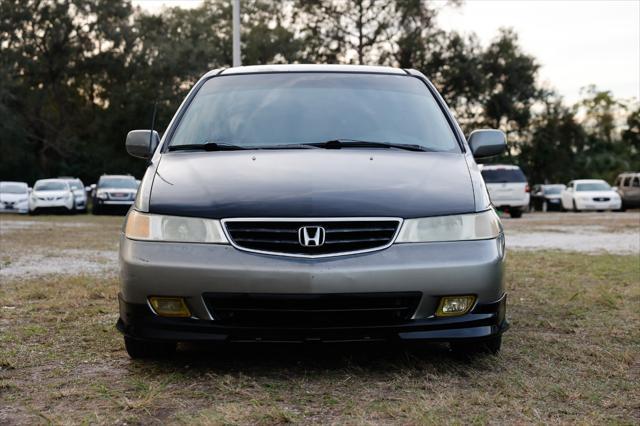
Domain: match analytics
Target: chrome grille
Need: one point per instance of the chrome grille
(116, 195)
(341, 236)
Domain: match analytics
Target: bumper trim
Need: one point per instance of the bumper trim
(485, 321)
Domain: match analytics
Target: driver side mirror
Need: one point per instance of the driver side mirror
(487, 143)
(142, 143)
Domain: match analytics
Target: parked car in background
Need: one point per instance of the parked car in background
(79, 194)
(114, 194)
(14, 197)
(51, 195)
(546, 197)
(309, 203)
(628, 187)
(590, 194)
(507, 186)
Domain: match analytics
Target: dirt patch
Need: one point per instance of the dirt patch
(68, 245)
(617, 233)
(69, 262)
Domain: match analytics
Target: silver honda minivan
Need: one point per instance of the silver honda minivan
(312, 203)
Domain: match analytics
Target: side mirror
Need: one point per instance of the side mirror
(142, 143)
(487, 143)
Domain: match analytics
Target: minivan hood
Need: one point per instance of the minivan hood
(311, 183)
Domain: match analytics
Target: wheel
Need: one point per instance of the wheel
(491, 346)
(96, 210)
(515, 213)
(138, 349)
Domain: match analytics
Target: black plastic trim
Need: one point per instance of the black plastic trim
(485, 321)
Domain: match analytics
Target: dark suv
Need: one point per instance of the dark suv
(114, 194)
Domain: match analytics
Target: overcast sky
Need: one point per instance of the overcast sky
(576, 42)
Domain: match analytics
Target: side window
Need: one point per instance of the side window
(636, 182)
(627, 182)
(618, 181)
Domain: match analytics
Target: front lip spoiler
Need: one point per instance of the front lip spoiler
(485, 321)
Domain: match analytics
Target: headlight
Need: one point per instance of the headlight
(102, 195)
(475, 226)
(152, 227)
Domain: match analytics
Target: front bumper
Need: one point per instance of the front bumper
(16, 207)
(54, 205)
(114, 203)
(598, 205)
(484, 321)
(191, 270)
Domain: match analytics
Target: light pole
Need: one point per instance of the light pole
(236, 33)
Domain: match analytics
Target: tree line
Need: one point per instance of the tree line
(77, 75)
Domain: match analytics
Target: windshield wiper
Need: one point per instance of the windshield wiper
(354, 143)
(285, 146)
(208, 146)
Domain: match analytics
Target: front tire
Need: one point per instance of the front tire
(143, 349)
(489, 346)
(515, 213)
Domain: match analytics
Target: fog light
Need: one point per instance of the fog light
(170, 307)
(452, 306)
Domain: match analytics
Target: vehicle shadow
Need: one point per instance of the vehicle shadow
(300, 359)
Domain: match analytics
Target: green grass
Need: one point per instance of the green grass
(572, 355)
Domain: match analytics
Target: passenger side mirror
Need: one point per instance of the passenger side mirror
(142, 143)
(487, 143)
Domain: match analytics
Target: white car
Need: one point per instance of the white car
(51, 194)
(590, 194)
(14, 197)
(79, 194)
(507, 187)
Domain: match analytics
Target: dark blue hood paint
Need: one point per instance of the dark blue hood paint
(312, 183)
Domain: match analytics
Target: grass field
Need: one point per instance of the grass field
(571, 355)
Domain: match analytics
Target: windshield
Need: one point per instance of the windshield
(294, 108)
(75, 185)
(12, 188)
(592, 186)
(503, 175)
(50, 186)
(553, 190)
(128, 183)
